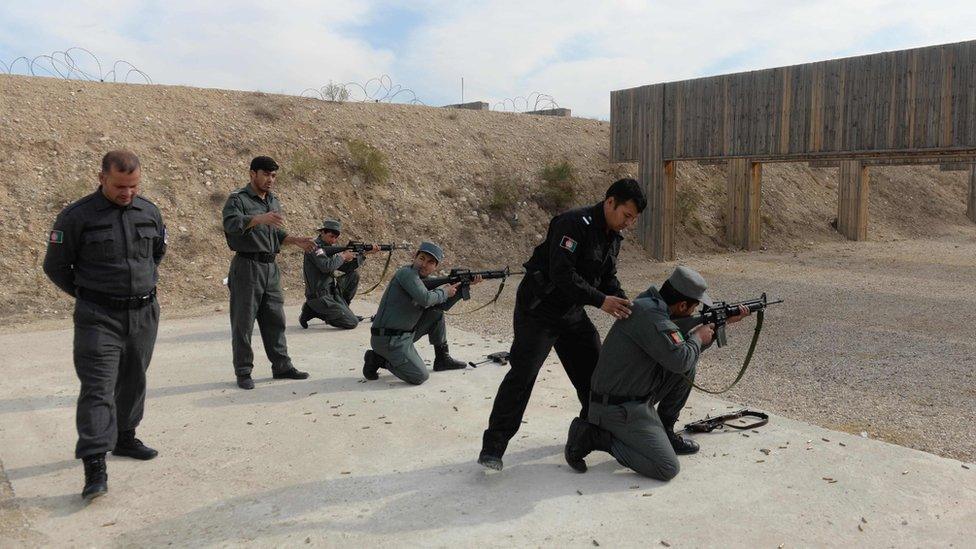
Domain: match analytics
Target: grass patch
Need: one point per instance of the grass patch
(559, 189)
(305, 165)
(267, 108)
(504, 193)
(369, 161)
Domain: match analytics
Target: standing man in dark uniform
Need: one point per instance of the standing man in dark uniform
(253, 226)
(327, 296)
(104, 250)
(576, 265)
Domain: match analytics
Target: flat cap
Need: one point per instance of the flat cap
(433, 249)
(265, 163)
(689, 283)
(331, 225)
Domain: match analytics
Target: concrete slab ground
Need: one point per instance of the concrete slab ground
(338, 462)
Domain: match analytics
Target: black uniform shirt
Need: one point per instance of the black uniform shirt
(101, 246)
(577, 261)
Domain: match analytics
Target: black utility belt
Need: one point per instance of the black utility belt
(117, 302)
(261, 257)
(613, 400)
(383, 332)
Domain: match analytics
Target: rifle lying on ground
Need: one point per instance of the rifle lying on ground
(465, 277)
(362, 247)
(718, 315)
(500, 358)
(708, 425)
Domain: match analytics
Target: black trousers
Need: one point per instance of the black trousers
(577, 344)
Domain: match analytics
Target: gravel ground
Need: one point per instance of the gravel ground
(874, 337)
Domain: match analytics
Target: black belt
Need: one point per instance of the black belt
(262, 257)
(388, 332)
(614, 399)
(117, 302)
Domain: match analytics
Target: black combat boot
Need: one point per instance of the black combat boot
(372, 363)
(443, 360)
(245, 382)
(584, 437)
(96, 478)
(681, 446)
(490, 461)
(305, 316)
(293, 373)
(129, 446)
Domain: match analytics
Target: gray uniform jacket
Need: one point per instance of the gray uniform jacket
(241, 206)
(406, 298)
(640, 351)
(100, 246)
(319, 270)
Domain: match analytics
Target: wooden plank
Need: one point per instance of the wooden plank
(744, 191)
(852, 203)
(971, 197)
(656, 224)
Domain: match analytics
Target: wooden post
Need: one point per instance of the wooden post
(744, 188)
(852, 204)
(655, 229)
(971, 199)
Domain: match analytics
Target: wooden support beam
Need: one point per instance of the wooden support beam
(852, 204)
(655, 230)
(824, 164)
(971, 198)
(744, 191)
(955, 166)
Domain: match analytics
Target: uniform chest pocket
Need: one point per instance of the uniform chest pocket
(145, 239)
(99, 244)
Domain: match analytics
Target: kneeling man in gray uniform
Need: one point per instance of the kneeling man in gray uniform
(407, 312)
(646, 360)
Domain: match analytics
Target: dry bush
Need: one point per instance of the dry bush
(559, 191)
(369, 161)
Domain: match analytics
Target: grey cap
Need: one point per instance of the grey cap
(689, 283)
(331, 225)
(433, 249)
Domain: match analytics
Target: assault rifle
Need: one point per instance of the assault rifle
(708, 425)
(465, 277)
(360, 247)
(718, 314)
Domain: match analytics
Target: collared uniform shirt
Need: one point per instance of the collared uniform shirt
(642, 350)
(406, 298)
(579, 259)
(98, 245)
(241, 206)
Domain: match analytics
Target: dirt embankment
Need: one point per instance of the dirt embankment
(470, 180)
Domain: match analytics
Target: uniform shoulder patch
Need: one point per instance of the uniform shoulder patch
(676, 337)
(568, 244)
(56, 237)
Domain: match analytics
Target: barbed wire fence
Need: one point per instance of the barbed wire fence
(535, 101)
(76, 63)
(380, 89)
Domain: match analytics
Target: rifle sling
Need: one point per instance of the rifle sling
(386, 269)
(498, 294)
(745, 363)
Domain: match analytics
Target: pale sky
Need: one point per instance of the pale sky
(572, 50)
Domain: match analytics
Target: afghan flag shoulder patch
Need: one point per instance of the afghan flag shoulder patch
(676, 337)
(568, 244)
(56, 237)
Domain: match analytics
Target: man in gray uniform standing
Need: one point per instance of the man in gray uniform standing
(646, 360)
(327, 296)
(253, 226)
(407, 312)
(104, 250)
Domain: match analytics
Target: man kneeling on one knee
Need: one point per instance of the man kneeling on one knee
(646, 360)
(407, 312)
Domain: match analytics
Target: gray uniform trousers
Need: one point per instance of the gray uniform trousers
(255, 293)
(333, 307)
(640, 439)
(112, 350)
(399, 351)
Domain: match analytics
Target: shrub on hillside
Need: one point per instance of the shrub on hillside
(369, 161)
(559, 188)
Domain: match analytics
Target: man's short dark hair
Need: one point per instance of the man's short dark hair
(265, 163)
(626, 189)
(122, 161)
(672, 296)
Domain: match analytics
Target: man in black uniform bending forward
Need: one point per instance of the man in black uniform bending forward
(576, 265)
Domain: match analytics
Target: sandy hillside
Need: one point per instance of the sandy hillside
(470, 180)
